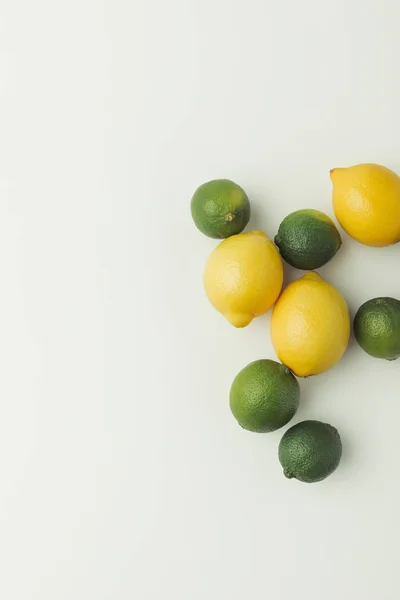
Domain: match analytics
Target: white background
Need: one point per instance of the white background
(123, 475)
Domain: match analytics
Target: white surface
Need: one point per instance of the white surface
(122, 473)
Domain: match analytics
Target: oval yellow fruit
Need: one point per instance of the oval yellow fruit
(243, 277)
(310, 325)
(366, 201)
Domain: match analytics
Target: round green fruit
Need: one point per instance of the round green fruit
(220, 208)
(307, 239)
(377, 327)
(310, 451)
(264, 396)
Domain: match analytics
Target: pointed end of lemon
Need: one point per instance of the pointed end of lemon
(335, 172)
(239, 320)
(312, 275)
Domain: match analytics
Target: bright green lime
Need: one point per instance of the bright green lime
(220, 208)
(307, 239)
(264, 396)
(310, 451)
(377, 327)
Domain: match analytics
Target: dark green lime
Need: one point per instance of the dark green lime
(307, 239)
(310, 451)
(264, 396)
(220, 208)
(377, 327)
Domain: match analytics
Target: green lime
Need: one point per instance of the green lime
(310, 451)
(377, 327)
(264, 396)
(220, 208)
(307, 239)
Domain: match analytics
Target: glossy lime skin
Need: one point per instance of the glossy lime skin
(310, 451)
(264, 396)
(377, 327)
(220, 208)
(307, 239)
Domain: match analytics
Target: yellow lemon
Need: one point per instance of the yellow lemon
(366, 201)
(243, 277)
(310, 325)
